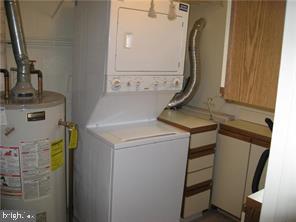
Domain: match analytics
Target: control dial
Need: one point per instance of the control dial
(116, 84)
(138, 83)
(176, 82)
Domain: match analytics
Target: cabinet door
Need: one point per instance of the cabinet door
(231, 163)
(255, 155)
(255, 43)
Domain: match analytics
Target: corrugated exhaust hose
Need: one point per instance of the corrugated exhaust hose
(192, 85)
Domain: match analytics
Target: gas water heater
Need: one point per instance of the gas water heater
(33, 157)
(32, 146)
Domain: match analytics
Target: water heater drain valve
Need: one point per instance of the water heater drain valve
(73, 131)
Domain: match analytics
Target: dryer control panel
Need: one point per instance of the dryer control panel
(143, 83)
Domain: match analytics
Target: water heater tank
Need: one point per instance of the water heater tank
(32, 156)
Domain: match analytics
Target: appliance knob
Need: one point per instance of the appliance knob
(176, 82)
(128, 83)
(138, 83)
(116, 84)
(156, 83)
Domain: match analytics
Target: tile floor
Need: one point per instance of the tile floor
(214, 216)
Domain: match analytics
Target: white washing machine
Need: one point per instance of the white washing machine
(133, 173)
(127, 67)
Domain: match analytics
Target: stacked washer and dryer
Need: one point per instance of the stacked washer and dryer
(128, 65)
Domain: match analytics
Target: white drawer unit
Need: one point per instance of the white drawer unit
(198, 180)
(196, 203)
(202, 139)
(196, 195)
(200, 163)
(199, 176)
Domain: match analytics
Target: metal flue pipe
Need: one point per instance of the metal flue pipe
(3, 61)
(194, 55)
(23, 88)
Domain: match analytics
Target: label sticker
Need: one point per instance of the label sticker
(36, 116)
(57, 154)
(35, 159)
(183, 7)
(10, 172)
(3, 117)
(73, 138)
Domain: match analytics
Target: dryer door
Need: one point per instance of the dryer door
(146, 46)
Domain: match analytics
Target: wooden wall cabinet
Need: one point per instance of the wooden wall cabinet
(254, 51)
(237, 155)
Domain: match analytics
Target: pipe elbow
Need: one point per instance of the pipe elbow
(5, 72)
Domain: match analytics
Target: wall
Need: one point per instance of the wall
(3, 60)
(212, 44)
(280, 194)
(49, 42)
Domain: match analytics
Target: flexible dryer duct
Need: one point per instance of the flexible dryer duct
(23, 88)
(194, 55)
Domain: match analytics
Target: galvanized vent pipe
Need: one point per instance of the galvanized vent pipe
(23, 88)
(194, 55)
(3, 59)
(3, 62)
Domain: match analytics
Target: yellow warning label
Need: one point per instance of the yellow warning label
(57, 154)
(73, 138)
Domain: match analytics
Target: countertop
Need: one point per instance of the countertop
(258, 196)
(247, 131)
(185, 121)
(249, 127)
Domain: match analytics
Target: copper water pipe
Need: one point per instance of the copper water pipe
(40, 81)
(6, 83)
(39, 75)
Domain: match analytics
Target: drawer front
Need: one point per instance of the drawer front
(200, 163)
(199, 176)
(202, 139)
(196, 203)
